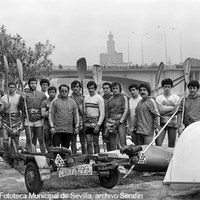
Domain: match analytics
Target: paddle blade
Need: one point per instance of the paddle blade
(81, 68)
(5, 64)
(187, 67)
(20, 70)
(6, 72)
(97, 74)
(157, 78)
(158, 73)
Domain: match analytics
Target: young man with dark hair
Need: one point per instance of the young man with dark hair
(78, 98)
(63, 118)
(146, 120)
(45, 113)
(167, 103)
(94, 113)
(34, 100)
(12, 118)
(117, 111)
(133, 101)
(107, 91)
(44, 84)
(107, 94)
(191, 106)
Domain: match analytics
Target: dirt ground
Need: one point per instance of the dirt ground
(135, 186)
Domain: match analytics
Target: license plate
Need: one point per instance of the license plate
(45, 174)
(76, 170)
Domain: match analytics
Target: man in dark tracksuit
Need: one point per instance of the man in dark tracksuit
(147, 120)
(191, 106)
(63, 118)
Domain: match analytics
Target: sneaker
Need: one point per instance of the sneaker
(24, 151)
(122, 170)
(147, 174)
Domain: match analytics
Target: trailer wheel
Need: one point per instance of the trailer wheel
(32, 178)
(111, 180)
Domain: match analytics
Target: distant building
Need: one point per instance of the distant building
(111, 58)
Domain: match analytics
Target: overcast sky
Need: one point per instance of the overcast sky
(80, 28)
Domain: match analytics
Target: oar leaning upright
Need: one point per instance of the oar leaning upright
(20, 72)
(81, 65)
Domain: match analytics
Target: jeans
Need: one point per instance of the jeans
(144, 139)
(117, 140)
(112, 142)
(122, 135)
(47, 137)
(83, 142)
(73, 143)
(171, 136)
(36, 133)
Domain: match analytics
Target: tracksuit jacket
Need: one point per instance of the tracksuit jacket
(63, 115)
(191, 110)
(147, 117)
(117, 107)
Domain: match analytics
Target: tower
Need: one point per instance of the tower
(110, 44)
(111, 58)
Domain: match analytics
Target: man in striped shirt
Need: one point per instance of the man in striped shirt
(94, 116)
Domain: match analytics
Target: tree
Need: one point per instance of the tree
(36, 62)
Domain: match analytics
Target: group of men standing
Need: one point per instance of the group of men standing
(23, 111)
(56, 120)
(149, 114)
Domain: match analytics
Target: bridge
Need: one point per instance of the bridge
(127, 76)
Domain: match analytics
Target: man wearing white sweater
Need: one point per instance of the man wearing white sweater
(133, 102)
(94, 115)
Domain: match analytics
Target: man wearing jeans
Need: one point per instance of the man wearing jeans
(78, 98)
(95, 113)
(167, 103)
(45, 113)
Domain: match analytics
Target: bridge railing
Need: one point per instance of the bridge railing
(72, 68)
(69, 68)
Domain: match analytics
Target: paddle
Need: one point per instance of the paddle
(186, 67)
(81, 66)
(81, 69)
(20, 72)
(157, 77)
(6, 77)
(97, 76)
